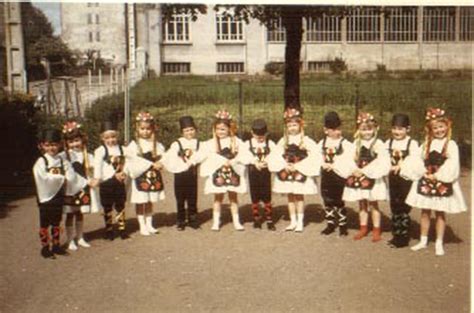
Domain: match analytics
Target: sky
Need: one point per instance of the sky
(51, 10)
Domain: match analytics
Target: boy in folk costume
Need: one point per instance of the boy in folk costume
(435, 171)
(182, 159)
(334, 149)
(295, 160)
(87, 199)
(259, 175)
(224, 168)
(144, 167)
(51, 173)
(400, 146)
(109, 163)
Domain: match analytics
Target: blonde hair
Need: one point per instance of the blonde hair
(153, 137)
(232, 134)
(300, 121)
(358, 139)
(429, 134)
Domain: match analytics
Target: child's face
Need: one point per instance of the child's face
(439, 129)
(74, 143)
(400, 132)
(293, 127)
(222, 131)
(333, 133)
(189, 132)
(367, 131)
(145, 130)
(110, 138)
(50, 148)
(258, 138)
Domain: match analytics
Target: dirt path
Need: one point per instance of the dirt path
(250, 271)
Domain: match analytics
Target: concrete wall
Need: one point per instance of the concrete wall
(75, 29)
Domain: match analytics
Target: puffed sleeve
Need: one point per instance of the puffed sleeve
(198, 156)
(381, 165)
(275, 159)
(98, 162)
(47, 184)
(172, 162)
(311, 165)
(413, 165)
(344, 164)
(413, 150)
(213, 161)
(75, 183)
(246, 157)
(449, 171)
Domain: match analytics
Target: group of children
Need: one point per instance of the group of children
(76, 182)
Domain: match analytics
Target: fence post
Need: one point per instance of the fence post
(241, 102)
(64, 96)
(89, 74)
(357, 101)
(100, 83)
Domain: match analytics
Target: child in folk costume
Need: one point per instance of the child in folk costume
(109, 169)
(400, 146)
(182, 159)
(259, 175)
(436, 173)
(335, 150)
(224, 168)
(147, 187)
(87, 199)
(365, 183)
(51, 173)
(295, 160)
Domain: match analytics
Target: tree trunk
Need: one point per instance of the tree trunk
(292, 20)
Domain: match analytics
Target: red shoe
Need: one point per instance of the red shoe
(362, 232)
(376, 234)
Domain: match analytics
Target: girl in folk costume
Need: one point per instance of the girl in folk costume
(224, 167)
(182, 159)
(51, 173)
(366, 170)
(109, 169)
(87, 199)
(400, 147)
(436, 173)
(295, 160)
(335, 150)
(147, 187)
(260, 182)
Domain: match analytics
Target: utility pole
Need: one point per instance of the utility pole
(130, 13)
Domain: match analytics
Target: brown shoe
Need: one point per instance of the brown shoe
(362, 232)
(376, 234)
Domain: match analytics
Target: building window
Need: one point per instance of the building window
(230, 67)
(323, 28)
(319, 66)
(176, 68)
(438, 24)
(97, 20)
(97, 36)
(401, 24)
(177, 29)
(91, 37)
(89, 4)
(276, 33)
(229, 28)
(363, 24)
(89, 18)
(467, 24)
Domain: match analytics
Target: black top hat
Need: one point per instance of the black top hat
(51, 135)
(400, 119)
(332, 120)
(186, 121)
(107, 125)
(259, 127)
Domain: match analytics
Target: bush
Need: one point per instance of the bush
(338, 66)
(275, 68)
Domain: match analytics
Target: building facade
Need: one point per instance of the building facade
(398, 39)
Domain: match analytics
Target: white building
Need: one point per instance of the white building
(413, 38)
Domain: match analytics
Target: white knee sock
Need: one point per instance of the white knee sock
(422, 244)
(439, 250)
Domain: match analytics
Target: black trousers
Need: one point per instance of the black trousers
(112, 192)
(332, 188)
(399, 189)
(50, 214)
(185, 190)
(260, 185)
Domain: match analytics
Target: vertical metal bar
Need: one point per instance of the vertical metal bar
(241, 103)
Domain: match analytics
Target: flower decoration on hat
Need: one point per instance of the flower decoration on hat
(71, 126)
(365, 117)
(223, 115)
(291, 113)
(434, 113)
(145, 117)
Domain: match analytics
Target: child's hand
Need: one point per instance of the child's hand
(264, 164)
(357, 173)
(93, 182)
(395, 169)
(157, 165)
(120, 176)
(429, 176)
(290, 167)
(258, 165)
(327, 167)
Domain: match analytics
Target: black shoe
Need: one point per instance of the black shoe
(271, 226)
(194, 224)
(392, 241)
(328, 230)
(343, 230)
(109, 235)
(57, 249)
(400, 242)
(180, 226)
(257, 224)
(46, 253)
(124, 235)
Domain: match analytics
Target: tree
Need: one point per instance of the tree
(41, 43)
